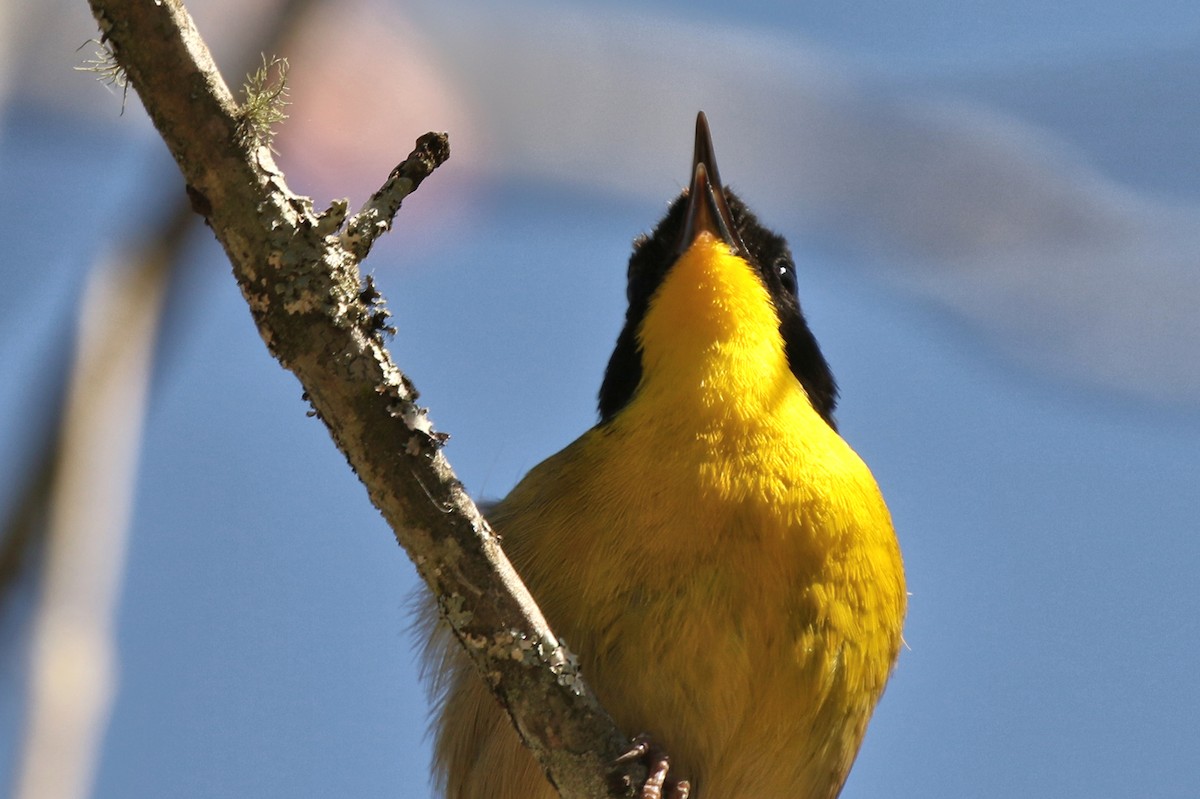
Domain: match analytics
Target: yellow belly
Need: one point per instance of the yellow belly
(741, 605)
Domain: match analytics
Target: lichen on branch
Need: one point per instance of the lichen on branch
(266, 95)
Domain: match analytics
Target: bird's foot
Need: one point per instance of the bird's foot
(658, 785)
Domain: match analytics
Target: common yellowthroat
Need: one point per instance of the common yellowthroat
(719, 559)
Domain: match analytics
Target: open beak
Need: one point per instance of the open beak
(707, 209)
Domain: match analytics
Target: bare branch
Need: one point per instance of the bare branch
(377, 213)
(308, 299)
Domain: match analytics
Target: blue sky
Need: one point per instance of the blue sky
(995, 210)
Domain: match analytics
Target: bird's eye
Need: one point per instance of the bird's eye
(787, 273)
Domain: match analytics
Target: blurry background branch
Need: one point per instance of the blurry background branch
(302, 283)
(89, 483)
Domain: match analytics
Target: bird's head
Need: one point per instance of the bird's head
(711, 278)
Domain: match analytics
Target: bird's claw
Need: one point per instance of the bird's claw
(657, 785)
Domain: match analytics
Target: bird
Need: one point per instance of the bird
(718, 558)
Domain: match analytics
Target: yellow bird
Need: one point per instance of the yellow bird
(719, 559)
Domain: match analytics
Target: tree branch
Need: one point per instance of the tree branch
(298, 271)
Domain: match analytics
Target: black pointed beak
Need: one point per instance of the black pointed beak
(707, 209)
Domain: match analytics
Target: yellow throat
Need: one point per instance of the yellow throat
(711, 338)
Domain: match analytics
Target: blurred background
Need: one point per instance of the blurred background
(995, 208)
